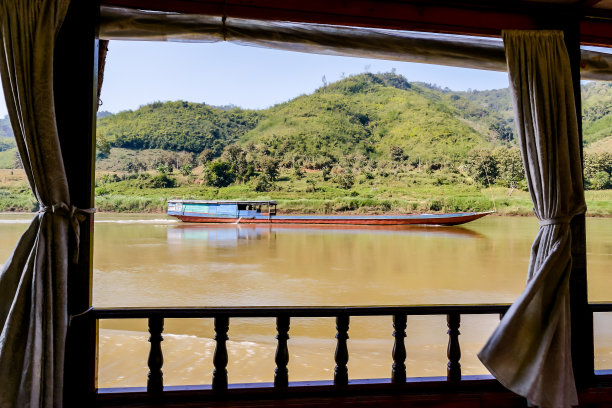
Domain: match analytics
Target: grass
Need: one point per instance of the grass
(408, 192)
(7, 158)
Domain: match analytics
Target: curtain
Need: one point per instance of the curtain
(530, 351)
(33, 309)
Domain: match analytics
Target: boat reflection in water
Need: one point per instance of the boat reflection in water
(233, 234)
(218, 235)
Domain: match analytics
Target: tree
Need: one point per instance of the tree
(237, 158)
(509, 165)
(185, 170)
(269, 167)
(345, 180)
(17, 163)
(263, 184)
(396, 153)
(205, 156)
(595, 163)
(482, 166)
(218, 173)
(103, 147)
(601, 181)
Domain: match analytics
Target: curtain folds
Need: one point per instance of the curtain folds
(530, 351)
(33, 310)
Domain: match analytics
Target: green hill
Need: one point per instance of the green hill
(176, 126)
(364, 115)
(597, 111)
(367, 114)
(596, 108)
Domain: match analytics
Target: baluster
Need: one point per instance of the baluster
(281, 373)
(219, 380)
(453, 371)
(155, 380)
(342, 354)
(398, 372)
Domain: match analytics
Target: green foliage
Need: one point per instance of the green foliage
(595, 163)
(482, 166)
(7, 144)
(396, 153)
(19, 198)
(108, 178)
(269, 167)
(375, 116)
(597, 111)
(218, 173)
(205, 156)
(162, 181)
(103, 147)
(240, 166)
(511, 172)
(7, 158)
(263, 183)
(186, 170)
(176, 125)
(345, 179)
(601, 181)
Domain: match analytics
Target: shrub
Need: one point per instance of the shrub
(482, 166)
(263, 184)
(162, 181)
(345, 180)
(601, 181)
(218, 174)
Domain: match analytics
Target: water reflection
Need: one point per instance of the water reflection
(233, 234)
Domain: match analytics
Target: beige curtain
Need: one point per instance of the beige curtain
(530, 351)
(33, 312)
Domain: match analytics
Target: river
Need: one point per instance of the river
(151, 260)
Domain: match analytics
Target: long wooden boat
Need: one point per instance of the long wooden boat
(264, 212)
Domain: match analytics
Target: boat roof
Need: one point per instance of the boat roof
(218, 202)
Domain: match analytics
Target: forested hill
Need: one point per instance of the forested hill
(176, 126)
(365, 115)
(596, 109)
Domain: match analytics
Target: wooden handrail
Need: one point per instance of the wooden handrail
(291, 311)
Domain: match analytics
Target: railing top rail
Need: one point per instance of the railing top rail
(291, 311)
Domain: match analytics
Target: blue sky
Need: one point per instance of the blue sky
(250, 77)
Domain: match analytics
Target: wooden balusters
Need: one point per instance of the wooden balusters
(398, 371)
(453, 371)
(342, 354)
(155, 380)
(219, 380)
(281, 373)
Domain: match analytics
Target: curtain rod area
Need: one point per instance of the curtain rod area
(441, 49)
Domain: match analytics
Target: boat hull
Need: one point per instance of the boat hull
(417, 219)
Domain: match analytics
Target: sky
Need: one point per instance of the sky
(140, 72)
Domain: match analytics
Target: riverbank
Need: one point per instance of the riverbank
(307, 195)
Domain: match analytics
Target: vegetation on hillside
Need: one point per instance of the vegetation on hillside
(367, 143)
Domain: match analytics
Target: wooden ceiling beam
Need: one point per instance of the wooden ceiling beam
(359, 13)
(466, 17)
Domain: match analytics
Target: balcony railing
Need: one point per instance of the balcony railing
(341, 380)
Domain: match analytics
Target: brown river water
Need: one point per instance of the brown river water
(152, 260)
